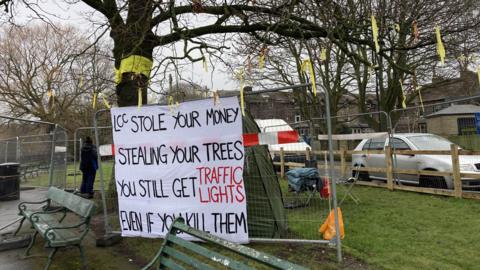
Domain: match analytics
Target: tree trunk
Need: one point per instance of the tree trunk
(127, 89)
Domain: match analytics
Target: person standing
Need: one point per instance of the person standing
(88, 166)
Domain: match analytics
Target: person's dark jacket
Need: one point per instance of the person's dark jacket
(89, 158)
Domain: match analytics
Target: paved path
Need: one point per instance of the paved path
(9, 209)
(12, 259)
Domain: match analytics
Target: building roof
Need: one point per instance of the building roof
(456, 110)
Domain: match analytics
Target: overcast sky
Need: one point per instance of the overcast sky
(81, 16)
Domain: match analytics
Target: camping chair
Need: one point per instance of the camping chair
(303, 186)
(350, 182)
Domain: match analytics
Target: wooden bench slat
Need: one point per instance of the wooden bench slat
(185, 258)
(177, 250)
(171, 264)
(74, 203)
(243, 250)
(48, 223)
(62, 237)
(212, 255)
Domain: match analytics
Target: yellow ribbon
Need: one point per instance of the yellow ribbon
(261, 61)
(204, 61)
(240, 76)
(323, 54)
(171, 104)
(397, 27)
(416, 34)
(404, 98)
(80, 83)
(478, 73)
(105, 101)
(94, 102)
(440, 47)
(375, 33)
(51, 96)
(307, 64)
(139, 93)
(118, 76)
(421, 99)
(136, 64)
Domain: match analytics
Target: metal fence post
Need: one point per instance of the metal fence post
(282, 162)
(75, 159)
(6, 152)
(52, 157)
(108, 229)
(343, 161)
(17, 151)
(330, 175)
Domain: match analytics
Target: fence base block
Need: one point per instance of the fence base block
(108, 240)
(8, 241)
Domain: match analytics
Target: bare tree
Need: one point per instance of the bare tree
(139, 28)
(42, 74)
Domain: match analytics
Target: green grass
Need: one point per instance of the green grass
(401, 230)
(404, 230)
(388, 230)
(42, 179)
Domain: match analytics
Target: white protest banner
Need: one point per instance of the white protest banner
(180, 161)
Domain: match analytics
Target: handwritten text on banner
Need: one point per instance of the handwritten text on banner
(186, 161)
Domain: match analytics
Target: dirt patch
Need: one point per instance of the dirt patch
(313, 256)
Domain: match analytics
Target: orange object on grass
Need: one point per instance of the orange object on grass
(328, 227)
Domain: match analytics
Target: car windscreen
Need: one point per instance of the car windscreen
(430, 142)
(374, 144)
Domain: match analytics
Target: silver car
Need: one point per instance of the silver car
(416, 141)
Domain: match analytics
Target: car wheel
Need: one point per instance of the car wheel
(432, 181)
(362, 176)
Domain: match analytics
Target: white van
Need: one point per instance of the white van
(275, 125)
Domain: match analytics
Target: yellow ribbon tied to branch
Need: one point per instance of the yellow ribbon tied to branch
(51, 96)
(170, 104)
(94, 101)
(375, 33)
(261, 61)
(105, 101)
(404, 97)
(80, 83)
(262, 56)
(240, 77)
(140, 101)
(204, 62)
(397, 27)
(440, 47)
(420, 98)
(478, 73)
(323, 54)
(118, 76)
(307, 65)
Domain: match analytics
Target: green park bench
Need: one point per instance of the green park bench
(173, 253)
(48, 217)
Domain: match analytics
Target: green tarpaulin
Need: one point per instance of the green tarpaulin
(266, 215)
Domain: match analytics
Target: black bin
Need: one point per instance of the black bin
(9, 182)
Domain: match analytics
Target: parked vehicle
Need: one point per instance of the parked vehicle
(275, 125)
(416, 141)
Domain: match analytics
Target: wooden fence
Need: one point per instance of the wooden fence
(390, 170)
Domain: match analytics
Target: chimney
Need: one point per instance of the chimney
(247, 89)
